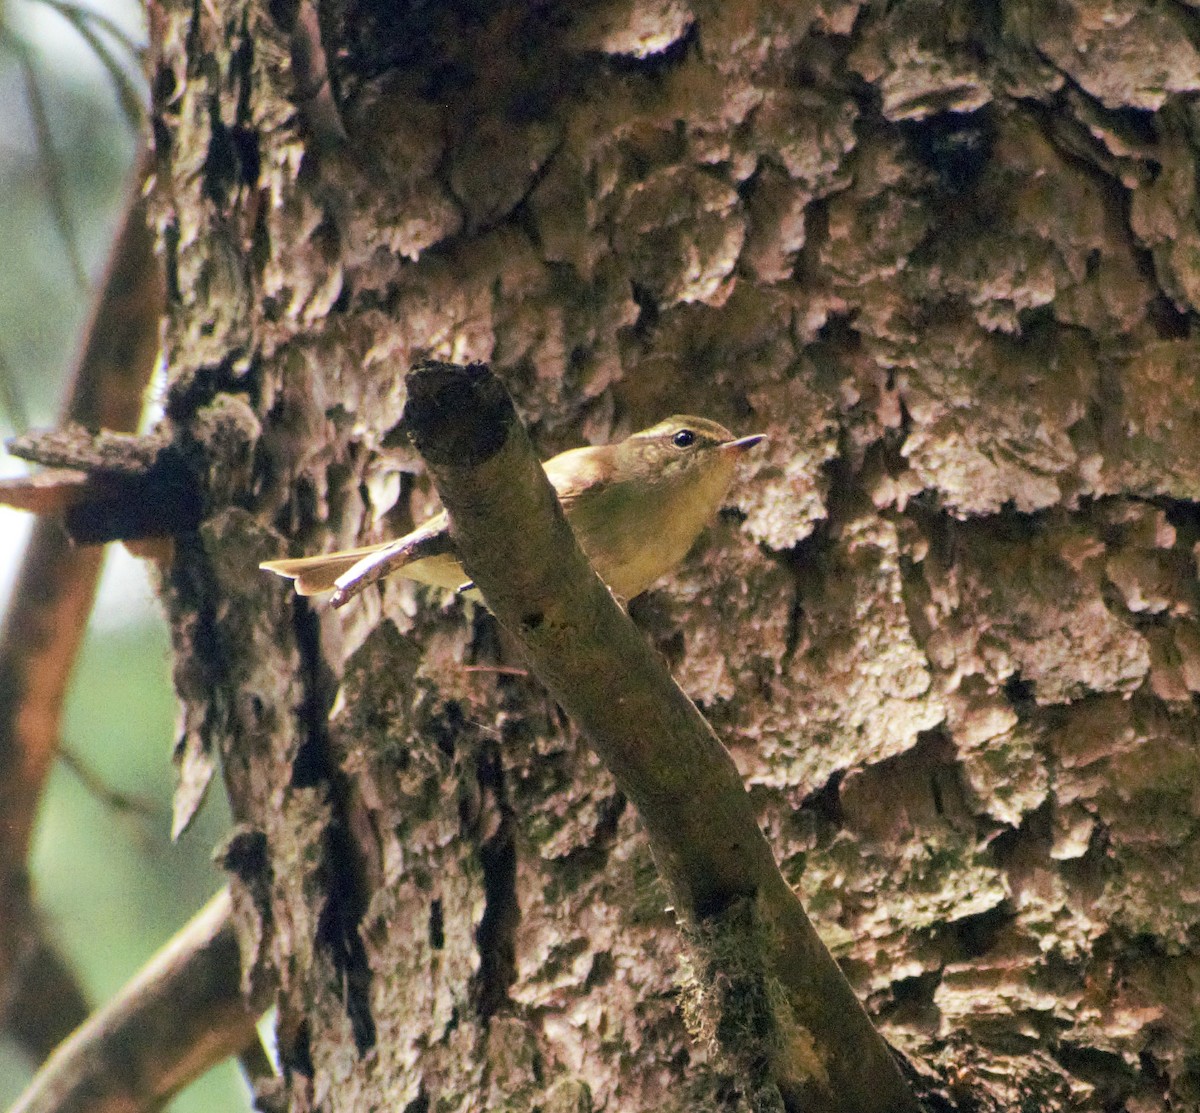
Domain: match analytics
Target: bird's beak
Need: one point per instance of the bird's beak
(743, 443)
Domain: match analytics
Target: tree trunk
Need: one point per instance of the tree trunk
(946, 256)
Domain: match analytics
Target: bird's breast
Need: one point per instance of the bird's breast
(634, 535)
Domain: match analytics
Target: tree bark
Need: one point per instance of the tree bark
(945, 255)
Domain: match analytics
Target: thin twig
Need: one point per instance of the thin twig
(105, 23)
(127, 803)
(53, 174)
(129, 96)
(42, 631)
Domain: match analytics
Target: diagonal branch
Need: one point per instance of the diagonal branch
(811, 1038)
(181, 1014)
(41, 633)
(54, 175)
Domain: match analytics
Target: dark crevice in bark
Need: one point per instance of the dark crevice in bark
(437, 926)
(1184, 515)
(232, 160)
(1114, 1079)
(1169, 322)
(241, 72)
(795, 624)
(200, 674)
(193, 45)
(295, 1054)
(649, 311)
(220, 170)
(1034, 837)
(519, 214)
(337, 933)
(913, 999)
(170, 237)
(974, 936)
(419, 1104)
(806, 263)
(826, 802)
(246, 854)
(496, 934)
(446, 727)
(807, 559)
(1020, 695)
(343, 871)
(956, 146)
(608, 819)
(195, 389)
(844, 494)
(164, 502)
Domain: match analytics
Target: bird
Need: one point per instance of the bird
(636, 508)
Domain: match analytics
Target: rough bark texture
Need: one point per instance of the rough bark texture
(946, 254)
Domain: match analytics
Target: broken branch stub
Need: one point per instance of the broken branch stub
(134, 487)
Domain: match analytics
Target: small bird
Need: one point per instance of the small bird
(635, 508)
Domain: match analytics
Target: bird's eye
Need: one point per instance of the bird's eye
(685, 438)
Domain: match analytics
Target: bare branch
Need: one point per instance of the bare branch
(51, 600)
(119, 455)
(86, 22)
(180, 1015)
(53, 174)
(125, 803)
(746, 925)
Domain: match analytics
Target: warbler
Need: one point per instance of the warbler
(636, 507)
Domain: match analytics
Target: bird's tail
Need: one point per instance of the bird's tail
(314, 574)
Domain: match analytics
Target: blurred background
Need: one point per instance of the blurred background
(111, 884)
